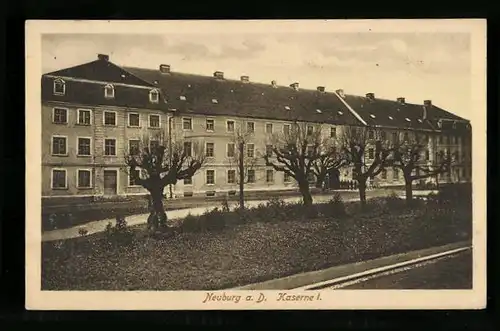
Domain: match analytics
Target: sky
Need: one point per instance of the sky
(417, 66)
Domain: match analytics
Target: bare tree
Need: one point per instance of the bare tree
(294, 153)
(242, 159)
(330, 160)
(412, 156)
(158, 160)
(366, 152)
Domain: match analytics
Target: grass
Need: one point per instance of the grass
(251, 248)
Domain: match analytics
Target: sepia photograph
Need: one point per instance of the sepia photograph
(256, 165)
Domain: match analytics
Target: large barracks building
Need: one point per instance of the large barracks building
(93, 114)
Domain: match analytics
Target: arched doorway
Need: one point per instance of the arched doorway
(333, 179)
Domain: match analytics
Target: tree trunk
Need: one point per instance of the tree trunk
(158, 216)
(241, 168)
(306, 193)
(408, 190)
(362, 192)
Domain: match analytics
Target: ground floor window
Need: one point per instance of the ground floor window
(59, 180)
(84, 178)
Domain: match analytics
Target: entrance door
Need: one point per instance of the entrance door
(110, 182)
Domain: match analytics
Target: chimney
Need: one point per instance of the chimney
(103, 57)
(295, 86)
(340, 92)
(245, 79)
(219, 75)
(274, 84)
(401, 100)
(370, 96)
(321, 89)
(427, 104)
(164, 68)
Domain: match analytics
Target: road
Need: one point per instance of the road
(452, 272)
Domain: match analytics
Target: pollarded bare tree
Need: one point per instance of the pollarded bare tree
(366, 152)
(242, 157)
(294, 153)
(158, 160)
(412, 156)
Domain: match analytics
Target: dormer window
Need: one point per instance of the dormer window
(183, 98)
(419, 120)
(372, 116)
(109, 91)
(407, 119)
(154, 96)
(440, 123)
(59, 87)
(391, 118)
(318, 111)
(215, 101)
(340, 113)
(287, 107)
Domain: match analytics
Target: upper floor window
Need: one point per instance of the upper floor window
(109, 118)
(310, 130)
(370, 134)
(84, 116)
(60, 116)
(383, 135)
(250, 127)
(188, 148)
(154, 96)
(371, 154)
(209, 150)
(109, 91)
(134, 146)
(210, 124)
(269, 150)
(187, 123)
(269, 128)
(110, 147)
(250, 150)
(333, 132)
(394, 136)
(154, 121)
(84, 146)
(230, 150)
(133, 119)
(230, 126)
(286, 129)
(59, 145)
(59, 87)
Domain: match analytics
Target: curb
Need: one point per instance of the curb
(319, 278)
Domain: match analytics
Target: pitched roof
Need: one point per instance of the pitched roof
(388, 113)
(212, 96)
(100, 70)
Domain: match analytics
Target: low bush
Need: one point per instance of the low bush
(120, 234)
(334, 208)
(213, 220)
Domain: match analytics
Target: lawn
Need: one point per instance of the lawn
(272, 241)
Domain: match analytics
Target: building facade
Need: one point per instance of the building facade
(94, 114)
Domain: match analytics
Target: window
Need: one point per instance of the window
(109, 118)
(133, 120)
(383, 135)
(59, 179)
(427, 155)
(59, 87)
(286, 177)
(384, 174)
(371, 153)
(154, 96)
(188, 181)
(231, 176)
(154, 121)
(333, 132)
(269, 150)
(187, 124)
(188, 147)
(59, 145)
(210, 177)
(250, 127)
(210, 124)
(84, 146)
(440, 139)
(84, 117)
(60, 116)
(371, 134)
(230, 126)
(250, 150)
(310, 151)
(405, 136)
(153, 144)
(110, 147)
(286, 129)
(269, 128)
(395, 137)
(209, 150)
(395, 174)
(310, 130)
(230, 150)
(133, 146)
(132, 179)
(109, 91)
(251, 176)
(269, 176)
(84, 178)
